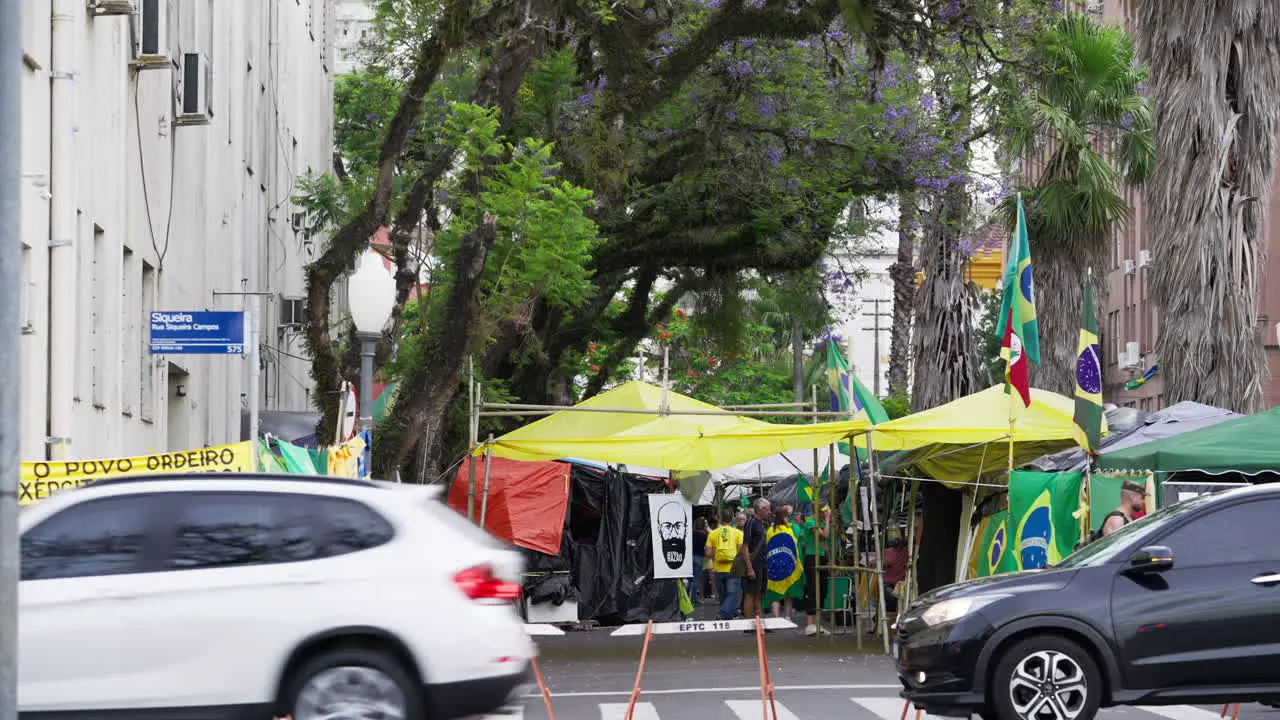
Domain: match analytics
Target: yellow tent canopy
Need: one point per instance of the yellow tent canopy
(970, 436)
(694, 436)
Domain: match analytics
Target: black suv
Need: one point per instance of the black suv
(1182, 606)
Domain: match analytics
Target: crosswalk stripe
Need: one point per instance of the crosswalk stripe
(752, 710)
(618, 711)
(890, 708)
(1180, 712)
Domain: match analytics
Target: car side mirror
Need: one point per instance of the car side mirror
(1153, 558)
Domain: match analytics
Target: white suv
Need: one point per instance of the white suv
(253, 596)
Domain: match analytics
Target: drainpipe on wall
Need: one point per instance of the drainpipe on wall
(64, 116)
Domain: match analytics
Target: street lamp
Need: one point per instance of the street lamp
(371, 296)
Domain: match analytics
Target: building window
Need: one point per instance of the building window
(147, 397)
(131, 317)
(98, 299)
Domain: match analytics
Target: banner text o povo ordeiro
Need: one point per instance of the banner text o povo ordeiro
(39, 480)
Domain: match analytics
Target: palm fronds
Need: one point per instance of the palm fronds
(1215, 76)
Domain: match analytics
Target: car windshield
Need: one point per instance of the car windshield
(1104, 549)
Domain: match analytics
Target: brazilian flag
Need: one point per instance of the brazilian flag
(804, 491)
(782, 557)
(991, 539)
(1041, 524)
(1088, 414)
(1019, 287)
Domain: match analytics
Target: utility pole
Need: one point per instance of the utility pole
(876, 342)
(10, 344)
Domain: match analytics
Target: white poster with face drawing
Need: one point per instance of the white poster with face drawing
(671, 521)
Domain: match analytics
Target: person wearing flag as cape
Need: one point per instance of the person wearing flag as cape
(785, 566)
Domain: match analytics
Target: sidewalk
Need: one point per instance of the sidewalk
(597, 644)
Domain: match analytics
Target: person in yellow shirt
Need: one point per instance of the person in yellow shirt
(722, 548)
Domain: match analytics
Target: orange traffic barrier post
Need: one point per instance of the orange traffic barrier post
(767, 701)
(644, 652)
(542, 687)
(907, 706)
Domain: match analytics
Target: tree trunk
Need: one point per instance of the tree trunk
(947, 363)
(430, 389)
(1215, 77)
(797, 359)
(903, 274)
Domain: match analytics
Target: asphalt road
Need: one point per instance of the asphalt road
(715, 676)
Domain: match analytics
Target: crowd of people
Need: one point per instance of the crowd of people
(731, 563)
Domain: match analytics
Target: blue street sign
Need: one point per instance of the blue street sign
(202, 333)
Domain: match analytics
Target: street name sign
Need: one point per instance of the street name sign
(197, 333)
(701, 626)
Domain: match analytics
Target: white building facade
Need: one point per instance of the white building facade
(353, 26)
(162, 143)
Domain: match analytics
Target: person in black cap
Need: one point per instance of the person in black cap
(1133, 499)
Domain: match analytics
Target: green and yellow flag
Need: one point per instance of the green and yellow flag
(1088, 413)
(1019, 286)
(785, 567)
(804, 491)
(1041, 523)
(990, 541)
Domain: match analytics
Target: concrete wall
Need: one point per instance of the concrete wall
(168, 215)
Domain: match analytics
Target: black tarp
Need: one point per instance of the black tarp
(607, 551)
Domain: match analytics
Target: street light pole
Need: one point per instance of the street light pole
(371, 296)
(368, 347)
(10, 344)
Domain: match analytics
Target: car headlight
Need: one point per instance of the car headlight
(949, 611)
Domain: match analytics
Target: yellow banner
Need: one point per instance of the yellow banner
(40, 480)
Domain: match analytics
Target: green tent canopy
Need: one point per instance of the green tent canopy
(1249, 445)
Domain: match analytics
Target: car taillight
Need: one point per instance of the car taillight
(479, 583)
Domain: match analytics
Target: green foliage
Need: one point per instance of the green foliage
(545, 237)
(896, 406)
(989, 348)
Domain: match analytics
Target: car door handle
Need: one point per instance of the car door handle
(1268, 579)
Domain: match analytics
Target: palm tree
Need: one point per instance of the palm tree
(1215, 78)
(1081, 131)
(903, 274)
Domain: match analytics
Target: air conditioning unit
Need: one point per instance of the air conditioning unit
(299, 224)
(153, 44)
(1144, 258)
(112, 7)
(1130, 267)
(1132, 355)
(195, 106)
(293, 311)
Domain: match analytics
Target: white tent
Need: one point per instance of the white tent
(767, 471)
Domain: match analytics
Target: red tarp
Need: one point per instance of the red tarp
(527, 501)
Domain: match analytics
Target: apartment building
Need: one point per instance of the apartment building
(354, 25)
(162, 142)
(1130, 326)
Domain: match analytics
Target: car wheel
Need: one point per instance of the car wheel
(355, 684)
(1046, 678)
